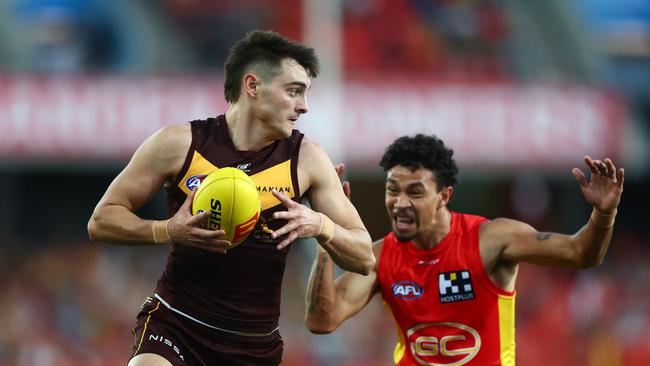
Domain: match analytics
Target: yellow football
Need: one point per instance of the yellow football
(232, 198)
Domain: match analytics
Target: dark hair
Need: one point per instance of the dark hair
(423, 151)
(264, 51)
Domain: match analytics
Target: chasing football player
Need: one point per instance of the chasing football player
(448, 278)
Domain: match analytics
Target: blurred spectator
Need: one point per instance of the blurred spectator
(213, 26)
(67, 35)
(428, 38)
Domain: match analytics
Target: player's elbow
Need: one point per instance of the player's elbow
(362, 267)
(368, 265)
(587, 260)
(587, 263)
(320, 327)
(92, 229)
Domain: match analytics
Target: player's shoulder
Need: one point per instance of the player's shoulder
(174, 131)
(311, 148)
(496, 229)
(173, 137)
(313, 156)
(168, 146)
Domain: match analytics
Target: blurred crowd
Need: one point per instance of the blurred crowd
(75, 304)
(379, 36)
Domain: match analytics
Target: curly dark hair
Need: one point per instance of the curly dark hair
(264, 51)
(423, 151)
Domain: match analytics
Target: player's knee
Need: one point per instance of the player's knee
(149, 359)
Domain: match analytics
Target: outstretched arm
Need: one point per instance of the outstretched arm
(332, 219)
(330, 302)
(514, 241)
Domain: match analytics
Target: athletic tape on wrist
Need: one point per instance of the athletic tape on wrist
(327, 228)
(160, 232)
(602, 220)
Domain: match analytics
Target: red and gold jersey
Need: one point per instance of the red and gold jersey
(448, 310)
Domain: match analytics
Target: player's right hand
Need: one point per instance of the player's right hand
(186, 229)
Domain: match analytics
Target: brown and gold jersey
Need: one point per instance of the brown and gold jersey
(239, 290)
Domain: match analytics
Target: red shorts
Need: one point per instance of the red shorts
(184, 342)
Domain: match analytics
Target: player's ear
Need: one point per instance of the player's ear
(251, 83)
(445, 195)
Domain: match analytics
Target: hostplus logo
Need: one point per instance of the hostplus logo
(455, 286)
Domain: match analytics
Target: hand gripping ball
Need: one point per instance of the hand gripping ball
(232, 198)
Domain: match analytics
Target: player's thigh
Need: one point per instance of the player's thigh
(149, 359)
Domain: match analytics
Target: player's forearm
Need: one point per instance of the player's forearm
(117, 225)
(594, 238)
(321, 295)
(351, 249)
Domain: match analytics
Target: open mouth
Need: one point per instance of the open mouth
(403, 223)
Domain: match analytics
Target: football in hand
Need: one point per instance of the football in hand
(232, 198)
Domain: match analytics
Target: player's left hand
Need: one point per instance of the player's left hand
(302, 222)
(340, 171)
(605, 187)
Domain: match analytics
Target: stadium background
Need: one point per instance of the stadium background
(521, 89)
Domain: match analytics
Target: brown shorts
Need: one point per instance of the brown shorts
(184, 342)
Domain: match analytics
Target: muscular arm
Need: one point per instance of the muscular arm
(513, 241)
(330, 302)
(157, 160)
(350, 245)
(332, 219)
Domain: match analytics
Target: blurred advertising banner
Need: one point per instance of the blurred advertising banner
(488, 125)
(106, 118)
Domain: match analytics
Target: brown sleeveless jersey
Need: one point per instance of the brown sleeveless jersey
(240, 290)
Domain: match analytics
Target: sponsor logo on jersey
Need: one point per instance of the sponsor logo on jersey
(246, 168)
(407, 290)
(455, 286)
(167, 342)
(279, 189)
(444, 343)
(194, 181)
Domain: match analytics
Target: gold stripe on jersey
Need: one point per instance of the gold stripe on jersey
(277, 177)
(507, 329)
(400, 347)
(198, 166)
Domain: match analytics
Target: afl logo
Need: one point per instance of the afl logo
(407, 290)
(443, 344)
(194, 181)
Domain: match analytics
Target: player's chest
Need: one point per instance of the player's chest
(433, 284)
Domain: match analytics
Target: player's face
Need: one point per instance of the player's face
(283, 99)
(412, 199)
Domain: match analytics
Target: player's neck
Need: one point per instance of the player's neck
(245, 131)
(436, 231)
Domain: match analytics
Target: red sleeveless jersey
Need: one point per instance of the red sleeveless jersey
(448, 311)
